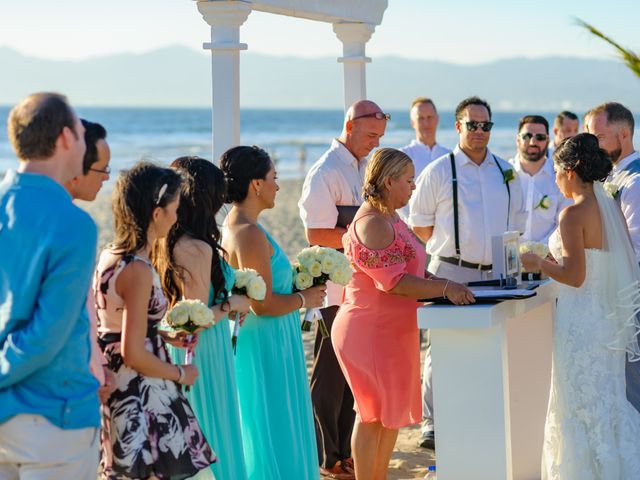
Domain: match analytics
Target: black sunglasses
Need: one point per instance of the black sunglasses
(376, 115)
(472, 126)
(106, 170)
(540, 137)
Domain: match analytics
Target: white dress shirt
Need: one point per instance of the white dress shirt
(540, 222)
(629, 198)
(421, 155)
(335, 179)
(483, 206)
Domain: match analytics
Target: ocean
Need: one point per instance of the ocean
(294, 138)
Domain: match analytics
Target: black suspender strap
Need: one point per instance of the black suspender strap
(508, 188)
(454, 185)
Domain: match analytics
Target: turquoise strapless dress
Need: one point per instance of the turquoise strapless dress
(214, 396)
(275, 403)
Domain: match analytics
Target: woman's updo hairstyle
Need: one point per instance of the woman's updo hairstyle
(384, 163)
(240, 165)
(582, 154)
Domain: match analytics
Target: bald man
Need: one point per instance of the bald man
(334, 180)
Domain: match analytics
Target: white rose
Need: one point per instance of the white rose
(201, 315)
(241, 279)
(328, 263)
(541, 250)
(305, 256)
(342, 275)
(315, 268)
(545, 202)
(611, 188)
(257, 289)
(525, 247)
(303, 281)
(179, 315)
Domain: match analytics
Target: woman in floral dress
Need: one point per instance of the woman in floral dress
(149, 429)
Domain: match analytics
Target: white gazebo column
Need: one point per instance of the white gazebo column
(225, 19)
(354, 38)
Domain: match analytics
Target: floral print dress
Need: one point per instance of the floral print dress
(149, 429)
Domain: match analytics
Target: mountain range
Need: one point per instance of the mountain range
(178, 76)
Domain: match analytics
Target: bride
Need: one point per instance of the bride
(591, 431)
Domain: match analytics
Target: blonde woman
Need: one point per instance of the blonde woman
(375, 333)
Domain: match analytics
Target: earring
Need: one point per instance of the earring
(258, 192)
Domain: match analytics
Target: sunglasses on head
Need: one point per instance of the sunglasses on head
(472, 126)
(540, 137)
(376, 115)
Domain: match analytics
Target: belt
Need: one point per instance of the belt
(462, 263)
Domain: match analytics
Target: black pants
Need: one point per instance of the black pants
(332, 400)
(633, 383)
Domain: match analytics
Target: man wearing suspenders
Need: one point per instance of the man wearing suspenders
(462, 200)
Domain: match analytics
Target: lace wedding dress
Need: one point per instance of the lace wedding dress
(591, 431)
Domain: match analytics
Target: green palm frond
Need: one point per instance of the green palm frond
(631, 59)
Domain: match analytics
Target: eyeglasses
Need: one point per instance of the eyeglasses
(540, 137)
(106, 170)
(376, 115)
(472, 126)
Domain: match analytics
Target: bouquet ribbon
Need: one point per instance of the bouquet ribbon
(312, 315)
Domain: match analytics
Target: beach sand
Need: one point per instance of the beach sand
(283, 222)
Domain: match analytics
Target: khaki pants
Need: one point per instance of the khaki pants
(31, 448)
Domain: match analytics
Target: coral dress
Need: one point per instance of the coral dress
(375, 333)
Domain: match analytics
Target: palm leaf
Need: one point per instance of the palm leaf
(631, 59)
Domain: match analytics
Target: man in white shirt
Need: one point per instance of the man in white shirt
(541, 196)
(614, 124)
(336, 180)
(457, 219)
(423, 149)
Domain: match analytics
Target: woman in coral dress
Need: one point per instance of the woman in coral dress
(375, 333)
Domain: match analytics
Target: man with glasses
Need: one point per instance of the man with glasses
(95, 171)
(461, 200)
(542, 198)
(336, 180)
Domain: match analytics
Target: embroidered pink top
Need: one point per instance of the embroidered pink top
(375, 333)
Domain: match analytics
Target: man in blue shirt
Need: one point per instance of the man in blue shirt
(49, 415)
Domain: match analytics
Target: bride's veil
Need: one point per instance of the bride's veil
(623, 276)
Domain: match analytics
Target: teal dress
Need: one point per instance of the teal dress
(275, 403)
(214, 396)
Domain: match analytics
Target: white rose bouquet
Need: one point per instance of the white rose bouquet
(247, 282)
(315, 266)
(189, 316)
(538, 248)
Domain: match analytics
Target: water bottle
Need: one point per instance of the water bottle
(431, 473)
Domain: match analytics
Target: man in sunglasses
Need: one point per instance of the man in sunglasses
(336, 180)
(541, 195)
(461, 200)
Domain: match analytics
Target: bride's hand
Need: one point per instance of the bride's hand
(531, 262)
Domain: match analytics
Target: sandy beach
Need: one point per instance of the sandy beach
(283, 222)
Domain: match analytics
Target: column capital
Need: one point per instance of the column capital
(230, 13)
(351, 32)
(225, 18)
(354, 37)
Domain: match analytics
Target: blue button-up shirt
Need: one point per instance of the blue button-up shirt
(47, 254)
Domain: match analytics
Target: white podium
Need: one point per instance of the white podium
(491, 379)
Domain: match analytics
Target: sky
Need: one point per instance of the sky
(460, 31)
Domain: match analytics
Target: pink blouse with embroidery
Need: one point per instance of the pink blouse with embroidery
(375, 333)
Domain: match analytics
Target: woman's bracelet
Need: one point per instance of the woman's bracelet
(303, 302)
(181, 374)
(444, 290)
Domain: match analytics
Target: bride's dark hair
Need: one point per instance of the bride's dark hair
(583, 155)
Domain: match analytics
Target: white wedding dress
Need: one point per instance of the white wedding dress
(592, 432)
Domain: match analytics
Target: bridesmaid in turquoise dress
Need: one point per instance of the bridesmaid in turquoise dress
(191, 266)
(275, 403)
